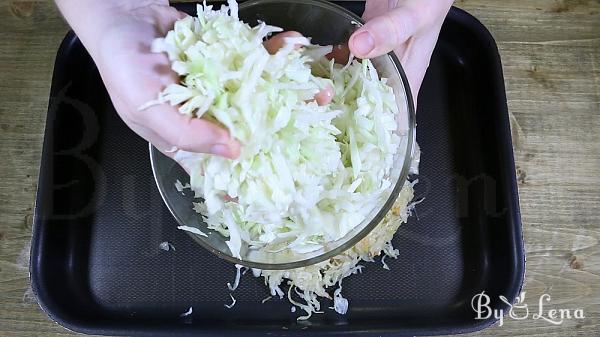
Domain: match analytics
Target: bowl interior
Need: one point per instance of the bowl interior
(326, 24)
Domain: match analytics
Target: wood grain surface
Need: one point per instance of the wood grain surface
(551, 58)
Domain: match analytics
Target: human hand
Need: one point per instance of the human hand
(119, 39)
(410, 28)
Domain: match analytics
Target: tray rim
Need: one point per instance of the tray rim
(53, 311)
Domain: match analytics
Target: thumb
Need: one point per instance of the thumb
(383, 33)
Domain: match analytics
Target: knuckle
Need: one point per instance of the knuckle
(409, 16)
(398, 27)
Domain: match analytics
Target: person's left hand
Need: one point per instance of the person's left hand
(410, 28)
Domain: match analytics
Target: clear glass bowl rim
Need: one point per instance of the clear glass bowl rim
(382, 212)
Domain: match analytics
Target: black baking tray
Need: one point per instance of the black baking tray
(96, 266)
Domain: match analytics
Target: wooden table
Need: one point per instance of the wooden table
(551, 56)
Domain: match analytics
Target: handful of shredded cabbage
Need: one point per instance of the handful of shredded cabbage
(307, 174)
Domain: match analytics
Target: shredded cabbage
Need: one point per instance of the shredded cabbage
(187, 313)
(307, 174)
(312, 282)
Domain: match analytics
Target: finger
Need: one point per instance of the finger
(188, 133)
(163, 19)
(158, 142)
(401, 50)
(415, 60)
(278, 41)
(165, 148)
(374, 8)
(187, 165)
(275, 43)
(168, 130)
(181, 15)
(340, 54)
(384, 33)
(184, 132)
(324, 96)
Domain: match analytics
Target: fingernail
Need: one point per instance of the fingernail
(364, 43)
(220, 150)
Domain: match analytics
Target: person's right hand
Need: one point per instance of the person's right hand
(118, 36)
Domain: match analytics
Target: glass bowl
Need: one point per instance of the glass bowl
(326, 24)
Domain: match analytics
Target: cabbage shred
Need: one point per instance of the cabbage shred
(307, 174)
(312, 282)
